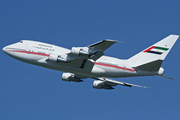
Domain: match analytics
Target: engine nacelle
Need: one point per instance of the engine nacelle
(57, 58)
(100, 85)
(70, 77)
(79, 51)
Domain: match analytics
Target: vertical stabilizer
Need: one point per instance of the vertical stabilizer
(151, 58)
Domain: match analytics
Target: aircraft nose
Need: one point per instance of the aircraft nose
(4, 49)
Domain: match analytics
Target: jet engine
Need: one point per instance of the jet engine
(70, 77)
(57, 58)
(101, 85)
(79, 51)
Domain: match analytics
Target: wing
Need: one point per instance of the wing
(106, 83)
(99, 83)
(83, 57)
(94, 51)
(101, 46)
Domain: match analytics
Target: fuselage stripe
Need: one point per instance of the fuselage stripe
(29, 52)
(102, 64)
(118, 67)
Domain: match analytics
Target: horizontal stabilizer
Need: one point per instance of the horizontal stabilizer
(165, 77)
(151, 66)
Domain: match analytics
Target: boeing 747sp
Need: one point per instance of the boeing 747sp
(88, 62)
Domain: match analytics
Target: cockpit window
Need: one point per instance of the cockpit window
(21, 41)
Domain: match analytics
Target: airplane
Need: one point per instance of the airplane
(89, 62)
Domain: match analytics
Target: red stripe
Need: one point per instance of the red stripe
(118, 67)
(149, 48)
(35, 53)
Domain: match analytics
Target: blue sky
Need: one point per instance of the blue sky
(31, 92)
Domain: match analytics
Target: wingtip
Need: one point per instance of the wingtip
(174, 35)
(110, 40)
(149, 87)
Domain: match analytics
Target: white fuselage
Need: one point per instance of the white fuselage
(38, 53)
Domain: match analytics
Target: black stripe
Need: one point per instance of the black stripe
(159, 53)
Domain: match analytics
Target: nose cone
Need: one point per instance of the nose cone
(4, 49)
(7, 50)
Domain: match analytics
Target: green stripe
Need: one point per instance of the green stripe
(161, 48)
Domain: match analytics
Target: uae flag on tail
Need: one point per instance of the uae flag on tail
(156, 50)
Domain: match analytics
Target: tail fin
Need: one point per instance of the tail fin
(151, 58)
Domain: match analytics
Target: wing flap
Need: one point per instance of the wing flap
(83, 56)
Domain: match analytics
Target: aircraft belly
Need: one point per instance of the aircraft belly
(65, 67)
